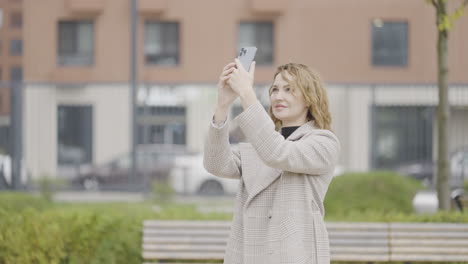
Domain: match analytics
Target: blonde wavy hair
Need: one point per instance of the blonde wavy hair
(312, 89)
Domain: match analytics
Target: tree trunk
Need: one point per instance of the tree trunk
(443, 112)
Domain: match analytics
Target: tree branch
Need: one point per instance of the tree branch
(434, 3)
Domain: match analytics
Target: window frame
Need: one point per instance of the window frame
(373, 57)
(178, 58)
(76, 22)
(256, 22)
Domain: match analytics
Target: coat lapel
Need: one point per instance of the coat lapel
(256, 175)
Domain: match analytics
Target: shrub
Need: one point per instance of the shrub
(378, 193)
(18, 201)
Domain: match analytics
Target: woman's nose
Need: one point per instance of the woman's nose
(278, 95)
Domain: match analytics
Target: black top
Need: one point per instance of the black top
(286, 131)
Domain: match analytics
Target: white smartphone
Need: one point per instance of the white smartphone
(246, 56)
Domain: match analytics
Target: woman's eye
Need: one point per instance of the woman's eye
(287, 89)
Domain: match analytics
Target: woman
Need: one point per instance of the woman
(284, 169)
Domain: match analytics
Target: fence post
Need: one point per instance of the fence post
(16, 110)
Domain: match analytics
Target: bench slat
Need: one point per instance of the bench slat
(354, 234)
(178, 255)
(184, 248)
(426, 257)
(184, 240)
(187, 224)
(430, 242)
(431, 250)
(365, 250)
(359, 242)
(357, 225)
(178, 232)
(358, 257)
(427, 235)
(442, 227)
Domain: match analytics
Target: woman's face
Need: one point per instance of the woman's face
(287, 106)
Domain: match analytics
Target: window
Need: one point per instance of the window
(75, 142)
(16, 47)
(402, 134)
(16, 74)
(1, 17)
(162, 43)
(16, 20)
(162, 125)
(76, 43)
(389, 43)
(260, 35)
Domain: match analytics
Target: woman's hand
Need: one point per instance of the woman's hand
(226, 96)
(240, 80)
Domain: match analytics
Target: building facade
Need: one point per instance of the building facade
(378, 59)
(11, 69)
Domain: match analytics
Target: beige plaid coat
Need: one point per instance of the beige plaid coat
(278, 216)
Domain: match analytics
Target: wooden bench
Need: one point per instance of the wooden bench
(428, 242)
(369, 242)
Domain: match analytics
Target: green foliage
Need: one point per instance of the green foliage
(47, 185)
(69, 237)
(447, 20)
(162, 192)
(35, 231)
(17, 201)
(370, 194)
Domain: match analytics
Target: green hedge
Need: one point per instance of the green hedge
(360, 196)
(33, 230)
(52, 236)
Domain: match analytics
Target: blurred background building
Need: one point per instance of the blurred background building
(378, 59)
(11, 54)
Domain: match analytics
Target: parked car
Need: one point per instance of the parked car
(188, 176)
(154, 162)
(425, 170)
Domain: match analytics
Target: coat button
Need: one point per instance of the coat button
(269, 217)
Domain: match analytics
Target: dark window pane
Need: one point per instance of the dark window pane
(76, 43)
(16, 47)
(403, 134)
(162, 43)
(162, 125)
(16, 74)
(74, 134)
(389, 43)
(260, 35)
(16, 20)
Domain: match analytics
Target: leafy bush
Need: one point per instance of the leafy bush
(162, 192)
(33, 230)
(17, 201)
(69, 237)
(367, 194)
